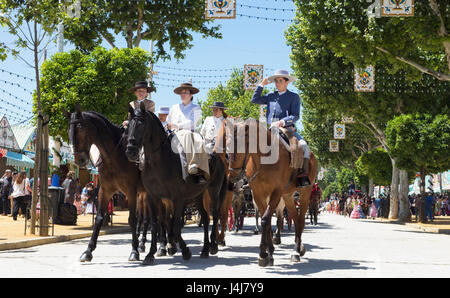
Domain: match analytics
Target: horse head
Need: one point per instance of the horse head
(79, 136)
(136, 130)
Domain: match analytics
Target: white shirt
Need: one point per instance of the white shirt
(20, 190)
(185, 117)
(210, 128)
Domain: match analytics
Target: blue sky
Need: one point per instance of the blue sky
(245, 41)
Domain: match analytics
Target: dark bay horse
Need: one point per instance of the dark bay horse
(314, 204)
(116, 173)
(270, 178)
(162, 177)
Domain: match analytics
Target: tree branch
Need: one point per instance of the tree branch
(139, 28)
(436, 74)
(442, 31)
(108, 40)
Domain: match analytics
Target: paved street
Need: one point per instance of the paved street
(337, 247)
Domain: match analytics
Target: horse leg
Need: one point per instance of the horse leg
(277, 238)
(205, 222)
(177, 224)
(224, 216)
(171, 245)
(162, 236)
(256, 232)
(103, 200)
(150, 257)
(145, 226)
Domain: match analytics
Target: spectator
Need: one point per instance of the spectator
(443, 207)
(21, 195)
(378, 206)
(70, 188)
(5, 191)
(429, 206)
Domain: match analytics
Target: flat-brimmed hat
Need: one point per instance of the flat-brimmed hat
(280, 73)
(163, 110)
(188, 86)
(218, 104)
(141, 84)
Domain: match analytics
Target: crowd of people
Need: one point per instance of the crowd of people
(16, 190)
(357, 205)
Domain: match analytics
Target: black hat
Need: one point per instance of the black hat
(188, 86)
(141, 84)
(218, 104)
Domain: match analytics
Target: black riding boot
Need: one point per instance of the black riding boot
(303, 179)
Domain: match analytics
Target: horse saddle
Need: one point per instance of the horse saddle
(293, 146)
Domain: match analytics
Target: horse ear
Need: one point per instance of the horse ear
(142, 106)
(78, 109)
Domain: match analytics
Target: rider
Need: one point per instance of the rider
(210, 127)
(141, 90)
(283, 110)
(185, 120)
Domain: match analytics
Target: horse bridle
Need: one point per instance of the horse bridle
(243, 168)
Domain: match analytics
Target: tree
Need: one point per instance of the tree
(168, 23)
(420, 142)
(417, 45)
(98, 81)
(376, 164)
(329, 38)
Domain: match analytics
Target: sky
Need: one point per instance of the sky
(244, 41)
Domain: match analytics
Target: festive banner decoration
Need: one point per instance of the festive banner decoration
(334, 146)
(220, 9)
(253, 75)
(347, 120)
(397, 8)
(365, 79)
(7, 138)
(339, 131)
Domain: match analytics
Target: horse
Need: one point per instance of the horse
(162, 177)
(116, 173)
(270, 177)
(314, 206)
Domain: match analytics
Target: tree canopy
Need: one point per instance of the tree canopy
(98, 81)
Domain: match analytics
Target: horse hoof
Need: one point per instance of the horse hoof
(149, 260)
(141, 248)
(161, 252)
(302, 251)
(264, 262)
(172, 250)
(256, 232)
(213, 249)
(86, 257)
(271, 261)
(276, 240)
(295, 258)
(187, 255)
(221, 243)
(134, 256)
(204, 255)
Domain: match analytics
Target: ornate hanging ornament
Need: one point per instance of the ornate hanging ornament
(397, 8)
(220, 9)
(339, 131)
(7, 138)
(365, 79)
(262, 113)
(334, 146)
(253, 75)
(347, 120)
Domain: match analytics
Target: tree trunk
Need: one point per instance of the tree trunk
(393, 210)
(421, 211)
(371, 187)
(404, 214)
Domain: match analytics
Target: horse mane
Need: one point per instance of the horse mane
(116, 131)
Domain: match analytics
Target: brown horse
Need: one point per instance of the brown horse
(116, 173)
(270, 178)
(314, 206)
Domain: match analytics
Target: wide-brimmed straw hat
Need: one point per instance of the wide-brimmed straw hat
(141, 84)
(218, 104)
(188, 86)
(280, 73)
